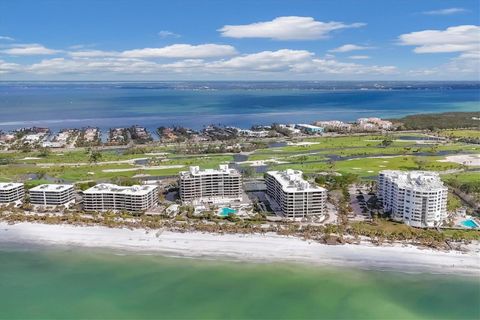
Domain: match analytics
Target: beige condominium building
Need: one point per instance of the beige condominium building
(293, 196)
(52, 194)
(210, 185)
(417, 198)
(11, 193)
(112, 197)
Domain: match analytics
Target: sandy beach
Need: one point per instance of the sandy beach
(257, 248)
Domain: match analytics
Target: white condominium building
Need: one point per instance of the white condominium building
(11, 192)
(112, 197)
(210, 185)
(52, 194)
(418, 198)
(295, 197)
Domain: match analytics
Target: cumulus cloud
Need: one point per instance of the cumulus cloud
(334, 67)
(462, 39)
(29, 50)
(282, 62)
(453, 39)
(350, 47)
(286, 28)
(7, 67)
(295, 62)
(86, 66)
(279, 60)
(183, 51)
(166, 34)
(445, 12)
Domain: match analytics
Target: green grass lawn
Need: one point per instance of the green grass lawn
(461, 133)
(367, 167)
(463, 177)
(296, 157)
(18, 170)
(371, 166)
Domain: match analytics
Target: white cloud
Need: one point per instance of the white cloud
(93, 53)
(462, 39)
(166, 34)
(359, 57)
(445, 12)
(7, 67)
(281, 63)
(295, 62)
(467, 62)
(453, 39)
(334, 67)
(7, 38)
(173, 51)
(29, 50)
(350, 47)
(82, 46)
(88, 66)
(286, 28)
(264, 61)
(183, 51)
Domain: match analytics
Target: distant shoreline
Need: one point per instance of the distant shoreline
(194, 104)
(251, 248)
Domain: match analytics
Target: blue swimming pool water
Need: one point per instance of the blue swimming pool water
(227, 211)
(469, 223)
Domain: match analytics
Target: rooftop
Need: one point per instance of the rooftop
(222, 169)
(52, 187)
(10, 185)
(418, 180)
(112, 188)
(292, 181)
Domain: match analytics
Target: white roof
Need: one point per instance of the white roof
(222, 170)
(113, 188)
(416, 180)
(52, 187)
(309, 126)
(10, 185)
(292, 181)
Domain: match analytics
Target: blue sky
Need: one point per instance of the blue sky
(218, 40)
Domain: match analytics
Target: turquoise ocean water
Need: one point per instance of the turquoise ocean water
(195, 104)
(78, 284)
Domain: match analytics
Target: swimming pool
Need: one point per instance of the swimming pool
(469, 223)
(227, 211)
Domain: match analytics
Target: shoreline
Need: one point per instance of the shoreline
(256, 248)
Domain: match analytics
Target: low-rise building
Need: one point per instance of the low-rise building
(372, 124)
(52, 194)
(334, 125)
(253, 133)
(11, 193)
(295, 197)
(106, 196)
(210, 185)
(309, 128)
(417, 198)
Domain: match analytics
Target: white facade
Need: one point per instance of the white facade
(52, 194)
(112, 197)
(11, 193)
(417, 198)
(210, 185)
(295, 197)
